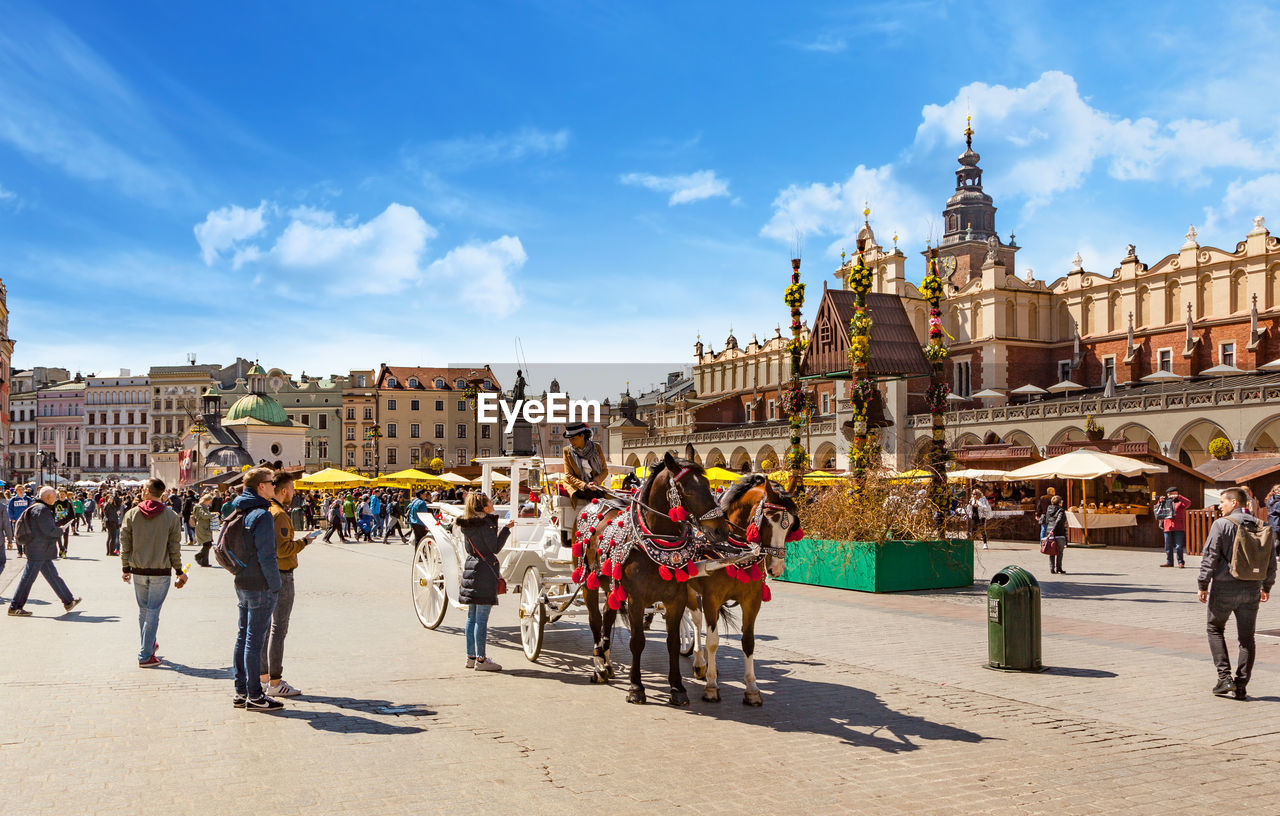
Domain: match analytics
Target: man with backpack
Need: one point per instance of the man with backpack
(1171, 514)
(40, 536)
(1237, 571)
(247, 548)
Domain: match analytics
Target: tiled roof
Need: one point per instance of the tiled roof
(895, 349)
(427, 376)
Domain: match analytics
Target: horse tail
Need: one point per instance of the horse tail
(728, 619)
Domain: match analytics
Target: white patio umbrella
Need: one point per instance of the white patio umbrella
(1221, 371)
(988, 393)
(1029, 391)
(953, 397)
(982, 475)
(1084, 465)
(1161, 377)
(1274, 365)
(1065, 386)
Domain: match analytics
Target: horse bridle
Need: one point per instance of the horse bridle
(691, 525)
(675, 498)
(757, 518)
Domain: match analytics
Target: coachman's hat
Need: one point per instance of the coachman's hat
(575, 428)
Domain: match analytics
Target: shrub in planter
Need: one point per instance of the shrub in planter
(1220, 448)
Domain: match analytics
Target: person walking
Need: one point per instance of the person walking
(287, 549)
(112, 510)
(480, 574)
(1227, 593)
(38, 534)
(202, 520)
(77, 509)
(257, 587)
(150, 548)
(364, 520)
(349, 516)
(1273, 509)
(375, 510)
(979, 513)
(64, 515)
(17, 506)
(394, 514)
(188, 504)
(6, 523)
(90, 508)
(1055, 524)
(1171, 512)
(335, 521)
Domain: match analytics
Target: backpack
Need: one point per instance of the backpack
(22, 530)
(1164, 510)
(233, 550)
(1252, 551)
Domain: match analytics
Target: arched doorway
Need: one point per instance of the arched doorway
(740, 460)
(824, 458)
(1190, 446)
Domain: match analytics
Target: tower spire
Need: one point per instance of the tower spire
(968, 131)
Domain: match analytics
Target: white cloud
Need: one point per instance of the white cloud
(223, 229)
(1242, 201)
(497, 148)
(383, 254)
(482, 274)
(835, 210)
(824, 43)
(1057, 138)
(684, 189)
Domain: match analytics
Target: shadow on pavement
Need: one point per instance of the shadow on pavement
(204, 674)
(75, 617)
(792, 704)
(1063, 671)
(340, 723)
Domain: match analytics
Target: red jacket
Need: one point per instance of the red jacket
(1179, 520)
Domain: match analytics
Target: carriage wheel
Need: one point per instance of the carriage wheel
(533, 616)
(429, 598)
(687, 633)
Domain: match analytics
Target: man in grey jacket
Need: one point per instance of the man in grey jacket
(1227, 595)
(39, 535)
(150, 548)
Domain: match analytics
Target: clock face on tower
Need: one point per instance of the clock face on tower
(948, 265)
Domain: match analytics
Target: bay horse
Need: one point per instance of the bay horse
(755, 509)
(673, 508)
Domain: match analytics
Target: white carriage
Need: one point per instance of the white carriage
(534, 563)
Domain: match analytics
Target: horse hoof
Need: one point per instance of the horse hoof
(753, 699)
(609, 672)
(598, 678)
(711, 696)
(679, 699)
(636, 696)
(699, 672)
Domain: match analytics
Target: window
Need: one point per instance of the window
(439, 382)
(368, 412)
(462, 405)
(322, 422)
(460, 383)
(116, 418)
(391, 405)
(1164, 359)
(391, 430)
(129, 438)
(485, 431)
(750, 412)
(142, 437)
(961, 383)
(306, 420)
(307, 450)
(129, 461)
(439, 430)
(368, 459)
(484, 452)
(351, 434)
(488, 385)
(168, 405)
(1227, 354)
(415, 456)
(439, 405)
(142, 418)
(322, 449)
(351, 458)
(1108, 369)
(462, 431)
(116, 438)
(462, 456)
(414, 430)
(415, 405)
(773, 413)
(391, 456)
(413, 382)
(391, 382)
(130, 418)
(826, 403)
(361, 381)
(91, 437)
(1064, 370)
(142, 460)
(351, 413)
(168, 425)
(115, 460)
(90, 419)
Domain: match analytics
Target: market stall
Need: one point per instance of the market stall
(1013, 503)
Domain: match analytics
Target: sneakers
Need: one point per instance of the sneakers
(150, 662)
(1166, 566)
(471, 662)
(1182, 566)
(1225, 688)
(72, 605)
(281, 689)
(263, 703)
(485, 664)
(1240, 693)
(239, 700)
(18, 613)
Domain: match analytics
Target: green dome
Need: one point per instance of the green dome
(260, 407)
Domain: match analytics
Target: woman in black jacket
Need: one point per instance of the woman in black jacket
(1055, 524)
(480, 574)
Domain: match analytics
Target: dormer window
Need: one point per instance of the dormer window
(460, 383)
(391, 382)
(439, 382)
(488, 385)
(413, 382)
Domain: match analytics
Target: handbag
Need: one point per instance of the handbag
(1049, 546)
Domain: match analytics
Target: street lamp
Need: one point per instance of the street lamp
(372, 435)
(472, 393)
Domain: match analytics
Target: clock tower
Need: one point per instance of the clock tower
(970, 223)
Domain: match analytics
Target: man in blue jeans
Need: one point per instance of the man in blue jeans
(1172, 511)
(17, 505)
(150, 537)
(257, 587)
(39, 535)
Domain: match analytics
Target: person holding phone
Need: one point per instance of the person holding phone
(481, 575)
(287, 549)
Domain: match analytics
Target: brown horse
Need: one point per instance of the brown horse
(674, 506)
(764, 519)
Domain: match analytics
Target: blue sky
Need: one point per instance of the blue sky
(329, 186)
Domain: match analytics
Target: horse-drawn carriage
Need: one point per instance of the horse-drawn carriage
(535, 564)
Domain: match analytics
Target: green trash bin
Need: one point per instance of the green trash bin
(1013, 621)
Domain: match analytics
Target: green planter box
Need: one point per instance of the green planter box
(894, 566)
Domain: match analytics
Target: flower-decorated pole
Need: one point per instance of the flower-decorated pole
(794, 399)
(936, 396)
(859, 357)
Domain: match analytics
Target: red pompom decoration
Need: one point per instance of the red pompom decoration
(744, 576)
(577, 549)
(757, 573)
(577, 575)
(595, 501)
(606, 569)
(753, 533)
(593, 581)
(665, 572)
(797, 535)
(616, 598)
(583, 516)
(731, 571)
(692, 569)
(617, 571)
(681, 576)
(765, 594)
(678, 514)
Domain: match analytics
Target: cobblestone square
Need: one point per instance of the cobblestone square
(873, 704)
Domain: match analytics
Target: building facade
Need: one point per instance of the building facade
(116, 427)
(422, 413)
(59, 429)
(175, 402)
(311, 402)
(23, 445)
